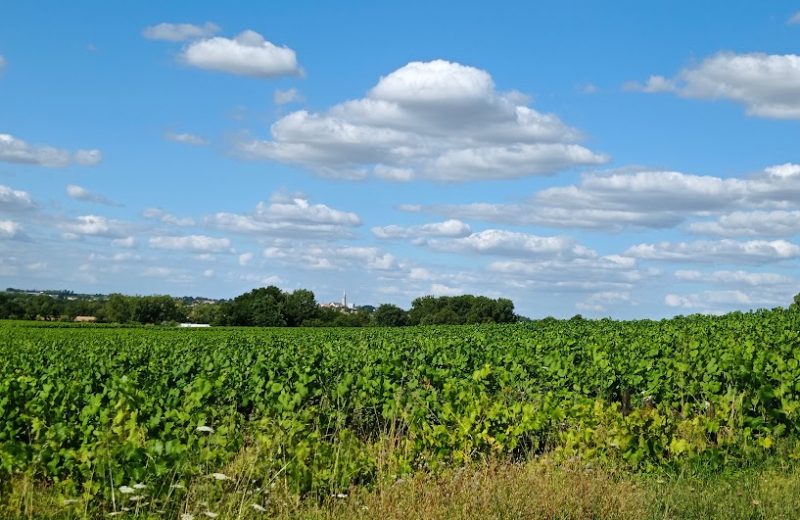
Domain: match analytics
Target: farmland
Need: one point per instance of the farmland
(106, 419)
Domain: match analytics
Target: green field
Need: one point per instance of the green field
(326, 422)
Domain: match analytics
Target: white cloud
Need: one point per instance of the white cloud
(185, 138)
(88, 157)
(248, 54)
(284, 97)
(157, 272)
(80, 193)
(116, 257)
(766, 84)
(640, 199)
(208, 273)
(794, 19)
(2, 63)
(9, 229)
(600, 301)
(92, 225)
(127, 242)
(440, 289)
(779, 223)
(733, 278)
(323, 257)
(725, 251)
(509, 243)
(167, 218)
(448, 228)
(16, 150)
(191, 243)
(435, 120)
(594, 274)
(12, 200)
(245, 259)
(289, 216)
(178, 32)
(392, 174)
(653, 85)
(708, 300)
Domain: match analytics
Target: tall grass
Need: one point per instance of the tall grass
(539, 489)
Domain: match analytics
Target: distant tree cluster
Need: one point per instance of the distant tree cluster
(262, 307)
(18, 305)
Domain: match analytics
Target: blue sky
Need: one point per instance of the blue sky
(625, 159)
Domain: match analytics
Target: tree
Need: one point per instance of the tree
(300, 307)
(155, 309)
(119, 308)
(211, 313)
(262, 307)
(388, 315)
(467, 309)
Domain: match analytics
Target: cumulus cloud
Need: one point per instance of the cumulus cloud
(284, 97)
(601, 300)
(440, 289)
(191, 243)
(324, 257)
(9, 229)
(245, 259)
(777, 223)
(768, 85)
(80, 193)
(167, 218)
(737, 289)
(127, 242)
(794, 19)
(15, 150)
(92, 225)
(185, 138)
(740, 277)
(434, 120)
(88, 157)
(12, 201)
(642, 199)
(722, 251)
(178, 32)
(289, 216)
(500, 242)
(708, 300)
(248, 54)
(448, 228)
(589, 274)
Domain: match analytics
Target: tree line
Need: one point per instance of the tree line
(262, 307)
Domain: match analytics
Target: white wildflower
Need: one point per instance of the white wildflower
(339, 495)
(210, 514)
(68, 501)
(177, 486)
(204, 429)
(136, 498)
(187, 516)
(259, 508)
(220, 476)
(126, 490)
(139, 486)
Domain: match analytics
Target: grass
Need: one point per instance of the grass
(532, 491)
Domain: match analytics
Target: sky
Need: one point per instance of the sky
(626, 159)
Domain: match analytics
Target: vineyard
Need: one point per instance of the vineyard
(128, 419)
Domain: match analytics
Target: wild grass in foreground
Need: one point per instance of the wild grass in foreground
(536, 490)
